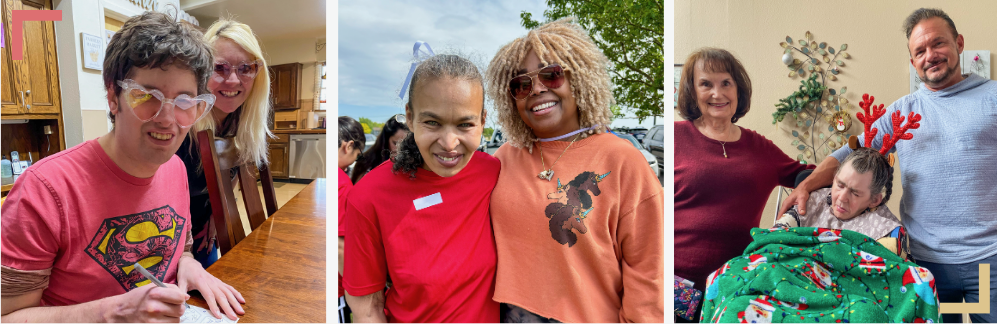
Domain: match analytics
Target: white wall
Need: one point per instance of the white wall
(83, 95)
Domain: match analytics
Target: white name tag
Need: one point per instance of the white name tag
(428, 201)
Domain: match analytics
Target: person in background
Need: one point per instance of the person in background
(384, 148)
(76, 223)
(351, 142)
(422, 218)
(949, 168)
(723, 173)
(241, 84)
(582, 241)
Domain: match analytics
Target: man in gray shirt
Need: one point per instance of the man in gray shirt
(949, 203)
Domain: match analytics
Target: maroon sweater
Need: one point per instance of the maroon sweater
(718, 200)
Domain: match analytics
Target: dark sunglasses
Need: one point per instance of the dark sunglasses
(551, 77)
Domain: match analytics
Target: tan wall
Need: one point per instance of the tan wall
(879, 61)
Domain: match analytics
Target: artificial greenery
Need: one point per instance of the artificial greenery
(810, 93)
(629, 33)
(814, 104)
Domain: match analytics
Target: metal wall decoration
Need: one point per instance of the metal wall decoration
(816, 107)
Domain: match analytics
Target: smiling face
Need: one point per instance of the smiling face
(147, 145)
(934, 53)
(549, 112)
(716, 93)
(232, 90)
(851, 193)
(446, 119)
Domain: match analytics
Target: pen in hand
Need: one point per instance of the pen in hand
(152, 278)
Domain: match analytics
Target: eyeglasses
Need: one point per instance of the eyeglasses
(246, 70)
(551, 77)
(147, 104)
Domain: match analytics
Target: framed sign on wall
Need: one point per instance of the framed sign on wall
(93, 51)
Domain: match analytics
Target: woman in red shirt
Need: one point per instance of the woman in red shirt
(422, 218)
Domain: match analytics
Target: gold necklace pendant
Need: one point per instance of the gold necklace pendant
(546, 175)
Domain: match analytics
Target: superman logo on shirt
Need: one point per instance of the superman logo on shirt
(148, 238)
(573, 203)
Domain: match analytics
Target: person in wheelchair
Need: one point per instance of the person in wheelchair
(857, 197)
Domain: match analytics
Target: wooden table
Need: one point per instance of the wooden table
(280, 267)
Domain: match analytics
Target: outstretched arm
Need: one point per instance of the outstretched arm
(823, 176)
(144, 304)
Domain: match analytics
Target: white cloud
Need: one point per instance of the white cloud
(376, 38)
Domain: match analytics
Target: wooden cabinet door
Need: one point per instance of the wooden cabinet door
(40, 82)
(284, 84)
(31, 85)
(11, 99)
(278, 160)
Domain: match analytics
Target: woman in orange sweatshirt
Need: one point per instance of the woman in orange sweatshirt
(577, 214)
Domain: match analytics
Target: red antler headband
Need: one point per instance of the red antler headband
(899, 130)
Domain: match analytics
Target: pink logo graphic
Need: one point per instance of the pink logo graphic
(18, 17)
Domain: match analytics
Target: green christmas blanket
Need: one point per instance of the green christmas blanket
(808, 274)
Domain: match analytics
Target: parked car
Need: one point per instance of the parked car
(370, 141)
(638, 133)
(483, 145)
(654, 142)
(497, 139)
(651, 160)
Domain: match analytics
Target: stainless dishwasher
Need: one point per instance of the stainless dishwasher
(307, 156)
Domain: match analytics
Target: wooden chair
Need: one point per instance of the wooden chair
(217, 157)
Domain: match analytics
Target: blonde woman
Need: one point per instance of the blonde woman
(241, 84)
(577, 214)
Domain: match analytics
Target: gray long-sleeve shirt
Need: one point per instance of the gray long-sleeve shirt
(948, 170)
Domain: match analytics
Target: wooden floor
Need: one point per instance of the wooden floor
(284, 191)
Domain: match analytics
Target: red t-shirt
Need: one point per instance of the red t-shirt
(345, 185)
(79, 214)
(432, 235)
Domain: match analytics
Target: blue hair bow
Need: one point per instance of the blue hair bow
(418, 58)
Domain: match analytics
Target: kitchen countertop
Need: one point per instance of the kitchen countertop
(299, 131)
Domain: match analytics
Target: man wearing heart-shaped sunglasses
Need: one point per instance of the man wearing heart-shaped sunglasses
(77, 223)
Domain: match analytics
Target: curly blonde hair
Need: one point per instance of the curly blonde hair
(568, 44)
(251, 137)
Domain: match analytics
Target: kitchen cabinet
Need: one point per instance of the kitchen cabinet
(279, 154)
(30, 96)
(285, 81)
(31, 86)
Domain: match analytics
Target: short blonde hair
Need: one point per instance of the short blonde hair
(568, 44)
(251, 137)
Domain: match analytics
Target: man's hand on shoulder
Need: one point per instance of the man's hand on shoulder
(217, 294)
(797, 198)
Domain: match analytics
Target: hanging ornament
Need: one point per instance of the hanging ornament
(787, 59)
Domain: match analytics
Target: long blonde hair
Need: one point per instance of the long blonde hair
(251, 137)
(568, 44)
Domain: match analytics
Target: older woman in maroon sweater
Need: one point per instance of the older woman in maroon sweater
(723, 173)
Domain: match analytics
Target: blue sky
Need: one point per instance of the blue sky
(376, 38)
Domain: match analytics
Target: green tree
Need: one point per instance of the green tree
(631, 34)
(488, 133)
(367, 124)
